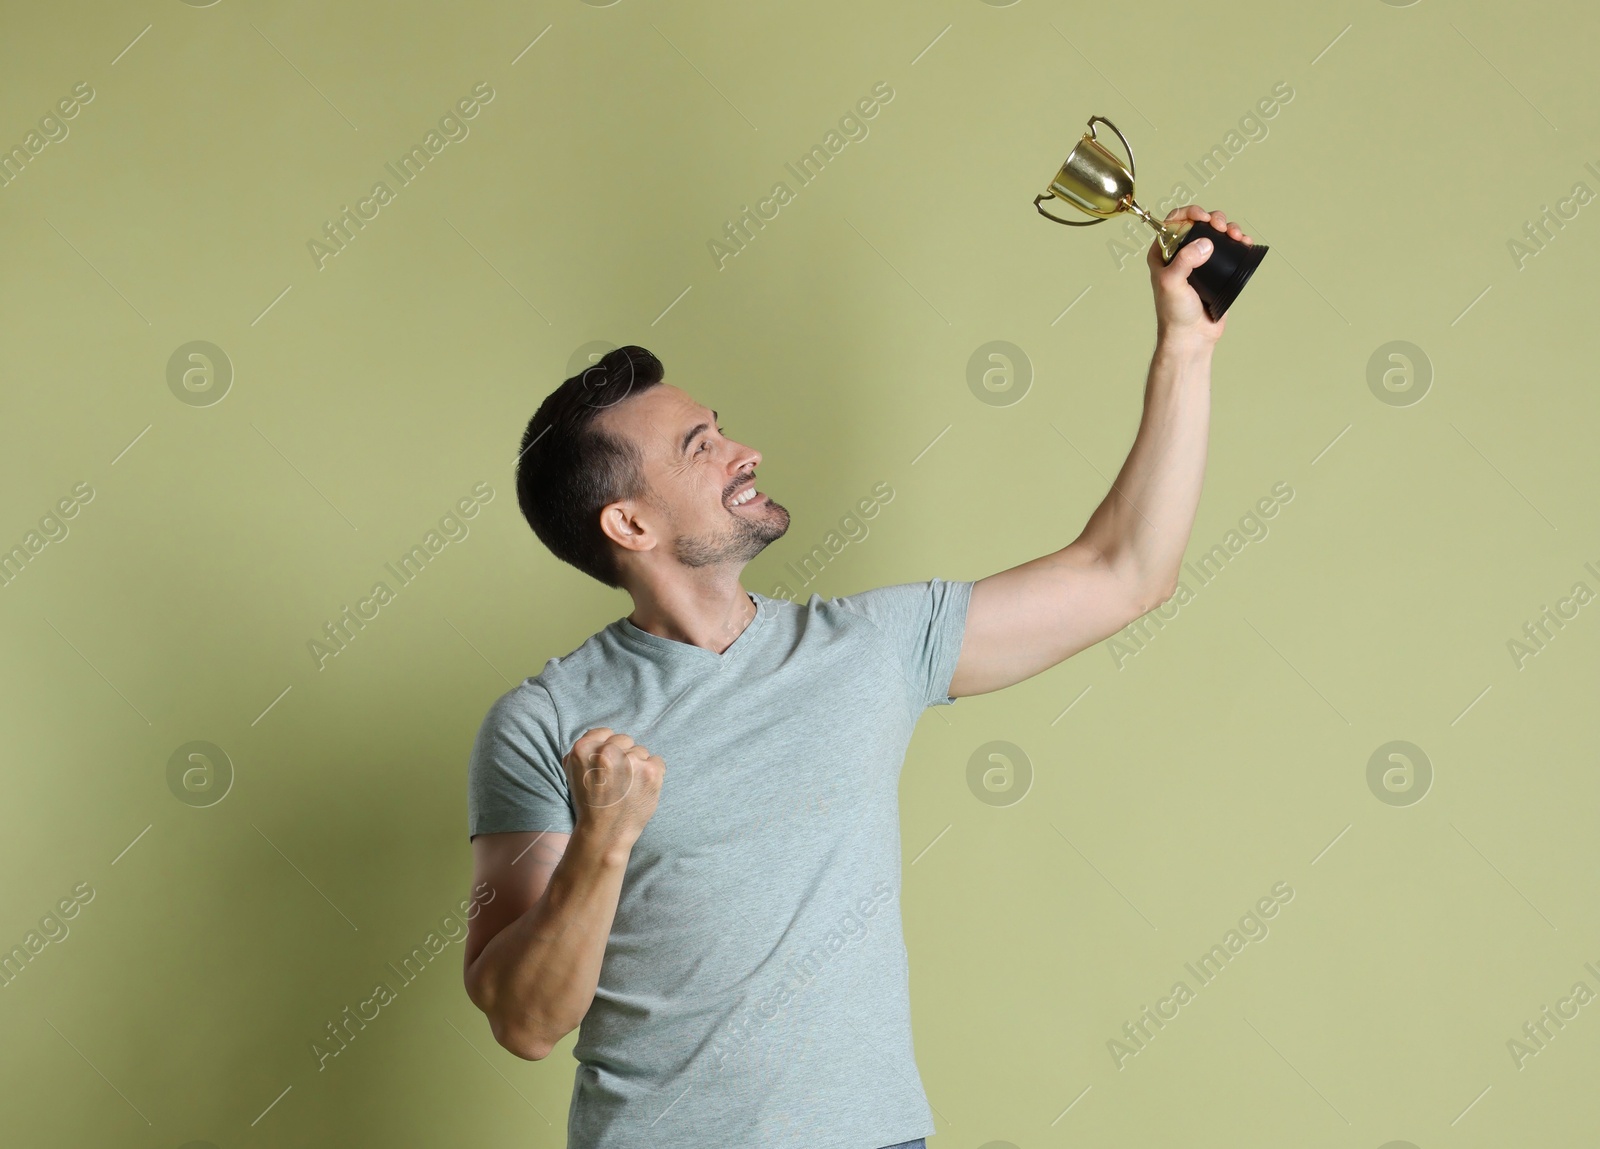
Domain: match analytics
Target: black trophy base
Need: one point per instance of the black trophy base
(1219, 280)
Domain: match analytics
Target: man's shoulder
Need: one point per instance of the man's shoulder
(527, 709)
(891, 603)
(538, 694)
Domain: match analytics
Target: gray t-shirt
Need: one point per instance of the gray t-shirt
(754, 990)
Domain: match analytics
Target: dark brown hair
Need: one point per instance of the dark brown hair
(569, 468)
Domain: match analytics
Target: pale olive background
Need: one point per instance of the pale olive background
(1229, 755)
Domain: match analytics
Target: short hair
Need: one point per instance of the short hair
(570, 468)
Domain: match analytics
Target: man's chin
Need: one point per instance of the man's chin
(772, 517)
(775, 522)
(771, 527)
(745, 541)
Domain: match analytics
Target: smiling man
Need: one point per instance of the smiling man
(691, 821)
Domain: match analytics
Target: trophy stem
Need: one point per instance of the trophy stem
(1170, 239)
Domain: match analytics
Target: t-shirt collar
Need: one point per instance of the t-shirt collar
(645, 642)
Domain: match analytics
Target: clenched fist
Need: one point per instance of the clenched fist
(1179, 312)
(615, 785)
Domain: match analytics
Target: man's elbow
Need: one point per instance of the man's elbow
(1139, 591)
(525, 1045)
(513, 1034)
(1147, 598)
(516, 1036)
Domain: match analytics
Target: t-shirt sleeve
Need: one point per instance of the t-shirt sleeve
(921, 625)
(515, 780)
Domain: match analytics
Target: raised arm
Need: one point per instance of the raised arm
(534, 950)
(1125, 562)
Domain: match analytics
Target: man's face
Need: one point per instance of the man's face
(700, 497)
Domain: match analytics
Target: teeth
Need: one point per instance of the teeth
(743, 497)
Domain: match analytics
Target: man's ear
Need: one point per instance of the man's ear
(622, 524)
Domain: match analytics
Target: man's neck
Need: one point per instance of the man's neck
(709, 614)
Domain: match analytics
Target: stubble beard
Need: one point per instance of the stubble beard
(746, 537)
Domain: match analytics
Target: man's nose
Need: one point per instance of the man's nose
(745, 457)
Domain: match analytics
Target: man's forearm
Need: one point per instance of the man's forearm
(536, 978)
(1143, 526)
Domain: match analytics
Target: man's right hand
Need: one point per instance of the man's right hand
(533, 956)
(615, 785)
(1180, 315)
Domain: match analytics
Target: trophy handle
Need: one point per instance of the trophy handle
(1058, 219)
(1132, 171)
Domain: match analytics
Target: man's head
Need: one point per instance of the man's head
(622, 475)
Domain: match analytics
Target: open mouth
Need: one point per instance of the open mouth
(747, 497)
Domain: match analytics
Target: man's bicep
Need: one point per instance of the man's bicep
(512, 869)
(1027, 619)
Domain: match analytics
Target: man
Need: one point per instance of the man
(727, 931)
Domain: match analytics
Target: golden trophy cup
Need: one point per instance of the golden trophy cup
(1096, 181)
